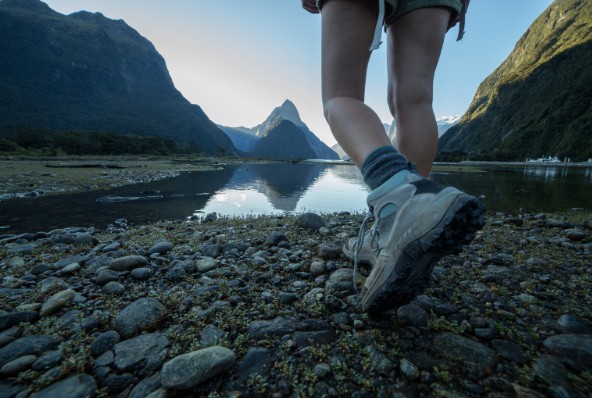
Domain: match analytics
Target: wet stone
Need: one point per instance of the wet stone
(56, 302)
(16, 366)
(104, 342)
(211, 335)
(77, 386)
(48, 360)
(143, 354)
(127, 263)
(278, 327)
(575, 347)
(274, 238)
(105, 276)
(550, 370)
(161, 247)
(573, 324)
(144, 314)
(14, 318)
(30, 345)
(327, 252)
(253, 363)
(191, 369)
(454, 347)
(141, 274)
(412, 315)
(310, 221)
(114, 288)
(509, 350)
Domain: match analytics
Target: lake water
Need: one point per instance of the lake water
(276, 188)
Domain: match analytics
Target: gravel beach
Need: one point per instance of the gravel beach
(265, 306)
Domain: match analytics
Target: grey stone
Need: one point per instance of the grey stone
(509, 350)
(127, 263)
(310, 221)
(412, 315)
(550, 370)
(288, 298)
(57, 301)
(329, 252)
(379, 362)
(253, 363)
(15, 318)
(116, 383)
(206, 264)
(76, 239)
(77, 386)
(51, 285)
(145, 387)
(573, 324)
(105, 276)
(141, 273)
(176, 273)
(274, 238)
(48, 360)
(69, 269)
(191, 369)
(144, 314)
(211, 250)
(575, 234)
(277, 327)
(576, 347)
(321, 370)
(161, 247)
(104, 342)
(16, 366)
(143, 354)
(115, 288)
(454, 347)
(317, 268)
(78, 258)
(211, 335)
(314, 338)
(409, 370)
(30, 345)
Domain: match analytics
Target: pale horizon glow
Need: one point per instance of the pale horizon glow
(240, 60)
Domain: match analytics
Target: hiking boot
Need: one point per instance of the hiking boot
(417, 222)
(368, 251)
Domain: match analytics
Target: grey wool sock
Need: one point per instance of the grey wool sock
(381, 165)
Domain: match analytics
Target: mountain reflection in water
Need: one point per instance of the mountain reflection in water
(252, 189)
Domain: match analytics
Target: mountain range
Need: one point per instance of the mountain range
(84, 72)
(283, 135)
(539, 100)
(443, 124)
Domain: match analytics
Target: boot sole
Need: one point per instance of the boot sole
(413, 264)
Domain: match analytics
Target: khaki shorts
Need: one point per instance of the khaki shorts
(397, 8)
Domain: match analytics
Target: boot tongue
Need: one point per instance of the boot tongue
(390, 184)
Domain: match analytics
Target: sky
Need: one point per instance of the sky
(239, 60)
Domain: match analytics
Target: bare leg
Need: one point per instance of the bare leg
(414, 46)
(348, 28)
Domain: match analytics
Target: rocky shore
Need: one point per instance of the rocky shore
(265, 306)
(34, 177)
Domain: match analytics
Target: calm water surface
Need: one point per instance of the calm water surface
(278, 188)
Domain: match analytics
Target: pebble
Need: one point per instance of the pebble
(141, 274)
(191, 369)
(127, 263)
(412, 315)
(575, 347)
(56, 302)
(16, 366)
(15, 318)
(572, 324)
(29, 345)
(455, 348)
(161, 247)
(310, 221)
(143, 354)
(409, 370)
(77, 386)
(104, 342)
(115, 288)
(144, 314)
(105, 276)
(550, 370)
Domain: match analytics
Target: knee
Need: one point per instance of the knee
(409, 96)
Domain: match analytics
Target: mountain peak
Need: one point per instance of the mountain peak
(30, 5)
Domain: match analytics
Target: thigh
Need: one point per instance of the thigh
(347, 32)
(414, 45)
